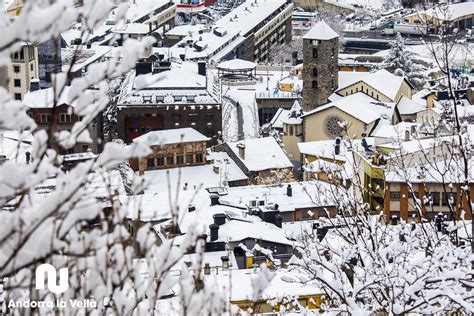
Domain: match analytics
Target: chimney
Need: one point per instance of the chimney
(142, 68)
(191, 208)
(202, 68)
(249, 257)
(394, 220)
(214, 232)
(34, 85)
(294, 58)
(214, 199)
(207, 269)
(241, 147)
(278, 220)
(439, 222)
(337, 146)
(219, 219)
(407, 135)
(225, 262)
(289, 190)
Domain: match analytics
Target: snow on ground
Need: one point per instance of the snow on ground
(369, 4)
(239, 109)
(462, 55)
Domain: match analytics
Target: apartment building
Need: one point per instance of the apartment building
(248, 32)
(22, 70)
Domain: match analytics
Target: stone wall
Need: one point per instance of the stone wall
(320, 71)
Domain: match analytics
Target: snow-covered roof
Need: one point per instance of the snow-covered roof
(182, 84)
(394, 132)
(235, 25)
(327, 159)
(360, 106)
(261, 154)
(237, 230)
(434, 172)
(383, 81)
(321, 31)
(14, 145)
(83, 56)
(277, 119)
(183, 30)
(306, 194)
(281, 283)
(406, 106)
(171, 136)
(140, 8)
(237, 64)
(44, 98)
(448, 12)
(132, 28)
(294, 115)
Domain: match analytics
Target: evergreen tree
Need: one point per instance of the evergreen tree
(401, 62)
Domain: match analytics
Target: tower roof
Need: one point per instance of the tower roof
(321, 31)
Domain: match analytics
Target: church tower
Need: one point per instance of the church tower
(320, 58)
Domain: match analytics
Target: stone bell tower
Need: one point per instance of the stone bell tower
(320, 58)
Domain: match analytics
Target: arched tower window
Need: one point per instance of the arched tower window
(314, 84)
(315, 72)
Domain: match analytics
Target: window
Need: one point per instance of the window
(45, 118)
(64, 118)
(315, 72)
(434, 198)
(333, 52)
(189, 158)
(395, 196)
(198, 157)
(315, 52)
(150, 162)
(160, 161)
(180, 159)
(17, 83)
(169, 160)
(31, 67)
(16, 69)
(314, 84)
(449, 198)
(291, 131)
(17, 96)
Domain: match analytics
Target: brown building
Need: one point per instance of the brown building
(60, 116)
(432, 197)
(172, 148)
(320, 71)
(174, 96)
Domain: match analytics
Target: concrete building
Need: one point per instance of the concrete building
(248, 32)
(457, 15)
(22, 69)
(329, 5)
(320, 57)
